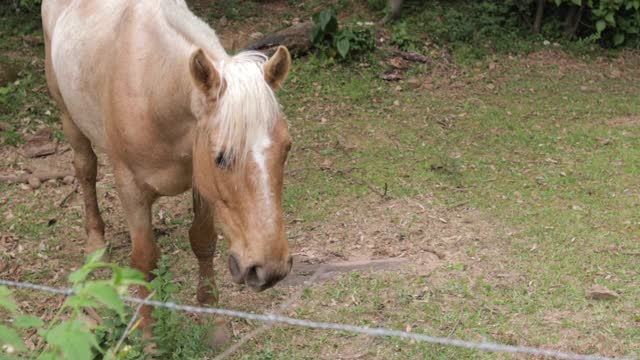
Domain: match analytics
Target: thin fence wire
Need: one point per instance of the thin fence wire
(269, 318)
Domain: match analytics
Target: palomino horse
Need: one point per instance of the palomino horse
(148, 83)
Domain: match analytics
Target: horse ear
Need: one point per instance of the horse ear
(277, 68)
(204, 75)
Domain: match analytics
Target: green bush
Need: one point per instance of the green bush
(175, 336)
(402, 37)
(474, 29)
(21, 6)
(612, 22)
(344, 44)
(377, 5)
(74, 337)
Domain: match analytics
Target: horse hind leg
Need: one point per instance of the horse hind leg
(86, 166)
(84, 161)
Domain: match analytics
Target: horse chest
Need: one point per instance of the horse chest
(171, 179)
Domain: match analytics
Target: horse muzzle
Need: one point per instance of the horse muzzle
(258, 276)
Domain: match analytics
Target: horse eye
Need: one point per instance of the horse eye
(222, 161)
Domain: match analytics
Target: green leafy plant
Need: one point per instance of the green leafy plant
(377, 5)
(610, 22)
(401, 37)
(176, 336)
(74, 337)
(614, 21)
(345, 43)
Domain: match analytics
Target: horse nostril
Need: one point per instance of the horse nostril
(255, 277)
(234, 269)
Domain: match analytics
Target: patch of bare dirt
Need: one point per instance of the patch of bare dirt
(570, 327)
(631, 120)
(411, 229)
(623, 66)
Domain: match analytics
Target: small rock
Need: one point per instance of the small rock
(323, 120)
(34, 182)
(414, 83)
(491, 86)
(398, 63)
(40, 144)
(492, 66)
(546, 43)
(398, 88)
(412, 56)
(68, 180)
(598, 292)
(392, 75)
(396, 103)
(604, 142)
(24, 187)
(584, 88)
(256, 35)
(223, 21)
(326, 164)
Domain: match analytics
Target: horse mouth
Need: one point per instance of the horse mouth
(258, 277)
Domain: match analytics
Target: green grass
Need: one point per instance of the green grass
(24, 102)
(538, 154)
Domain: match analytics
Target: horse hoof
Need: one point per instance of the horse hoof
(150, 349)
(94, 245)
(220, 334)
(105, 257)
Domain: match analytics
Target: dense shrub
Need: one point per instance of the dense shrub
(28, 6)
(344, 43)
(610, 23)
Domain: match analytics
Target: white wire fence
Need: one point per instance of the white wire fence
(380, 332)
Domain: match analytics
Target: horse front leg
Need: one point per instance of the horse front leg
(202, 236)
(137, 201)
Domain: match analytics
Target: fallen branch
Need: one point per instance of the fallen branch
(297, 39)
(434, 252)
(40, 176)
(255, 332)
(130, 326)
(64, 200)
(412, 56)
(361, 182)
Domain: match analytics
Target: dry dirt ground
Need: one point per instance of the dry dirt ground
(411, 236)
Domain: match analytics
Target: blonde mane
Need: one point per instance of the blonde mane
(247, 106)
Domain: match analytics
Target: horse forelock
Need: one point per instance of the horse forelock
(247, 107)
